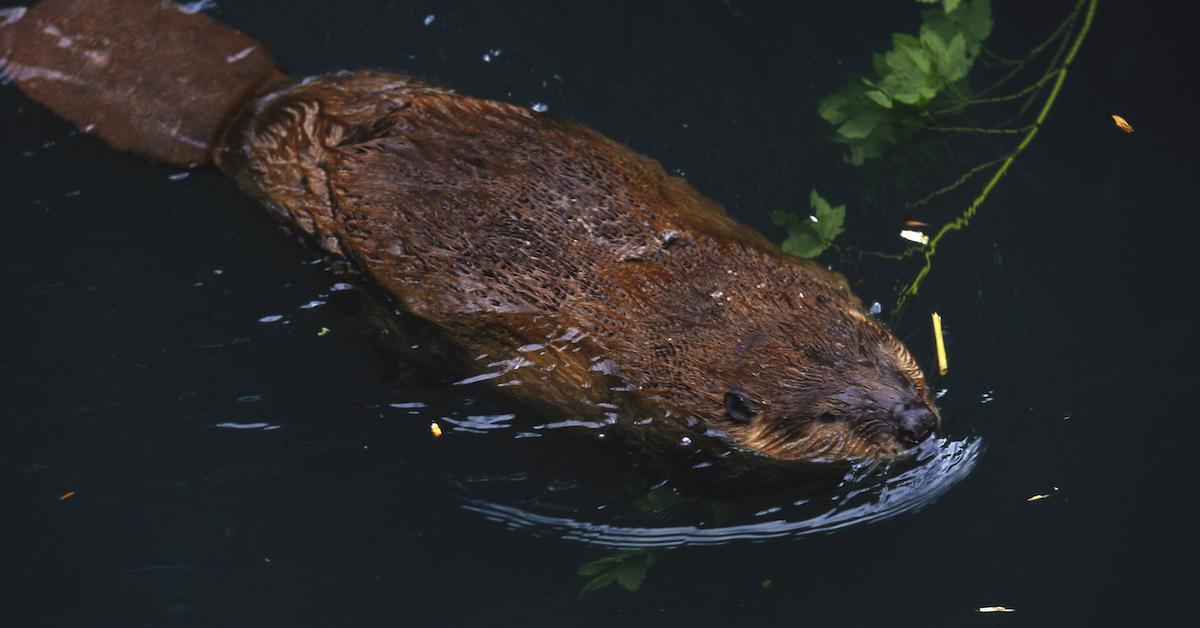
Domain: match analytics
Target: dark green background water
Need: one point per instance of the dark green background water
(131, 330)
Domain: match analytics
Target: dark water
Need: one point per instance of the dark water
(233, 472)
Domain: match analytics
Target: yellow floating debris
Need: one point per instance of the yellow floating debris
(914, 223)
(323, 331)
(995, 609)
(435, 429)
(913, 235)
(941, 344)
(65, 496)
(1037, 498)
(1122, 124)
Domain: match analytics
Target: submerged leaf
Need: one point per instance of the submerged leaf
(625, 568)
(809, 237)
(871, 114)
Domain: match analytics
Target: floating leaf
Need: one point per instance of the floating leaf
(1122, 124)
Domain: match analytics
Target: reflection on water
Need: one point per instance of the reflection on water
(865, 495)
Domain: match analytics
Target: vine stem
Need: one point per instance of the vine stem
(962, 221)
(973, 129)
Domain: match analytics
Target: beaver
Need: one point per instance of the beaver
(585, 278)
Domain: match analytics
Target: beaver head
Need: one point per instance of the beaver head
(854, 394)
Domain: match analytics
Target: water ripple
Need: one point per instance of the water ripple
(864, 496)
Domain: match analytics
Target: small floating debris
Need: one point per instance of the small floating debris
(996, 609)
(435, 429)
(540, 107)
(406, 405)
(1042, 496)
(340, 286)
(323, 331)
(940, 343)
(489, 55)
(247, 426)
(913, 235)
(178, 176)
(273, 318)
(65, 496)
(913, 223)
(1122, 123)
(429, 19)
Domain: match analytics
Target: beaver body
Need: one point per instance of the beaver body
(583, 276)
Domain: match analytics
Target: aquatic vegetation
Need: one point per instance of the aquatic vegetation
(871, 114)
(809, 236)
(1059, 75)
(627, 569)
(922, 81)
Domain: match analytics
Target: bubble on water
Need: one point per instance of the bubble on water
(429, 19)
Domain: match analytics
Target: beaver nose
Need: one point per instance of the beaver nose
(914, 425)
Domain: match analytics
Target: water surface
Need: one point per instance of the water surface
(232, 464)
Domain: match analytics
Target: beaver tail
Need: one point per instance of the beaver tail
(147, 76)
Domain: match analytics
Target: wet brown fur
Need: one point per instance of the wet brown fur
(576, 265)
(578, 273)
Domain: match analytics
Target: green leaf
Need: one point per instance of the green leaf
(871, 114)
(598, 582)
(880, 98)
(809, 236)
(630, 576)
(835, 107)
(860, 125)
(803, 243)
(625, 568)
(829, 219)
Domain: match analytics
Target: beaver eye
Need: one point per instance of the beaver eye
(827, 417)
(739, 407)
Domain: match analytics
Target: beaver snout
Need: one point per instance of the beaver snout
(913, 424)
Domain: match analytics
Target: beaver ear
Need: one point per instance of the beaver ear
(741, 408)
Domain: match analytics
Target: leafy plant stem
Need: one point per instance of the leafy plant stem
(961, 180)
(1059, 31)
(963, 220)
(972, 129)
(1013, 96)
